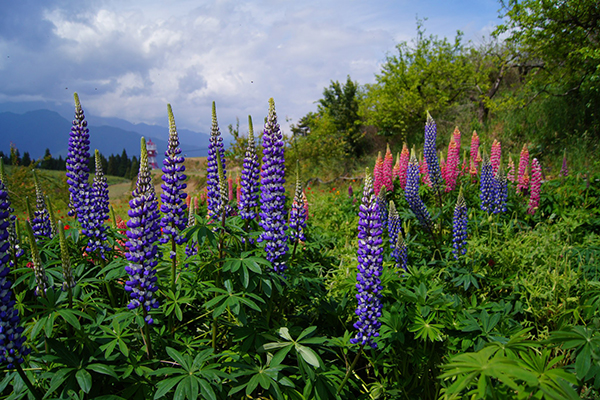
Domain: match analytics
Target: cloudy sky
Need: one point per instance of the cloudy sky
(129, 58)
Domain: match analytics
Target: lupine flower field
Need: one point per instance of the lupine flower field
(444, 274)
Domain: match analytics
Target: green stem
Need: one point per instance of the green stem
(30, 386)
(214, 334)
(349, 370)
(147, 336)
(173, 280)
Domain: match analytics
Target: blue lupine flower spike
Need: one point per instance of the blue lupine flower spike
(215, 145)
(459, 228)
(41, 218)
(500, 191)
(297, 222)
(272, 212)
(173, 197)
(370, 267)
(77, 162)
(12, 340)
(143, 233)
(250, 179)
(430, 152)
(486, 185)
(93, 221)
(412, 194)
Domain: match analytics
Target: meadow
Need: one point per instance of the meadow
(473, 277)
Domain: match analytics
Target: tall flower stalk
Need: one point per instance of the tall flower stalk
(536, 184)
(486, 185)
(143, 233)
(453, 161)
(297, 222)
(93, 221)
(250, 175)
(215, 145)
(500, 191)
(496, 156)
(12, 340)
(378, 174)
(41, 218)
(459, 227)
(173, 197)
(370, 267)
(272, 212)
(77, 163)
(388, 168)
(564, 170)
(474, 154)
(404, 159)
(412, 194)
(523, 177)
(430, 153)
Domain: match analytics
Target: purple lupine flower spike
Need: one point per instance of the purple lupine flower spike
(41, 218)
(430, 152)
(412, 193)
(564, 170)
(500, 191)
(250, 176)
(77, 162)
(143, 233)
(272, 213)
(402, 251)
(487, 185)
(173, 197)
(191, 248)
(215, 145)
(297, 215)
(13, 238)
(92, 222)
(12, 340)
(370, 267)
(459, 228)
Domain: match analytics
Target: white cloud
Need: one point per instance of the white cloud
(128, 59)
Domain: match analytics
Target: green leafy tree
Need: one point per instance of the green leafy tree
(556, 46)
(431, 75)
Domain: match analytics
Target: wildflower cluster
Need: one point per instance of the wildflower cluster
(77, 162)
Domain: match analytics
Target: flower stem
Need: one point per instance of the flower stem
(349, 370)
(30, 386)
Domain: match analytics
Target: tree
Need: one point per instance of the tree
(26, 161)
(341, 103)
(556, 45)
(431, 75)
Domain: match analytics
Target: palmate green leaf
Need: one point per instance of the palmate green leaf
(207, 391)
(308, 355)
(425, 329)
(182, 360)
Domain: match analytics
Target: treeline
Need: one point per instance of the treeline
(115, 165)
(534, 80)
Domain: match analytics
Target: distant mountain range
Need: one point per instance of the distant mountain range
(37, 130)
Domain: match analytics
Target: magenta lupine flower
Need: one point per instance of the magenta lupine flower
(92, 222)
(388, 170)
(215, 145)
(305, 203)
(412, 193)
(424, 171)
(511, 170)
(523, 176)
(143, 234)
(465, 164)
(430, 153)
(272, 217)
(459, 227)
(238, 189)
(230, 189)
(250, 176)
(396, 169)
(496, 156)
(378, 174)
(370, 267)
(12, 340)
(404, 159)
(474, 167)
(564, 170)
(173, 206)
(536, 184)
(350, 191)
(452, 163)
(77, 162)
